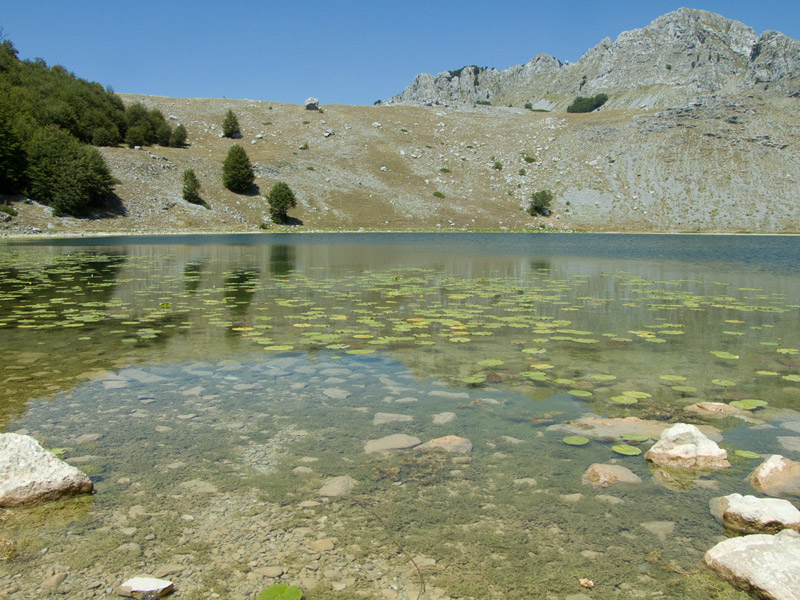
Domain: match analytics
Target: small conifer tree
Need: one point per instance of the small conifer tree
(237, 172)
(230, 125)
(191, 187)
(177, 139)
(540, 203)
(281, 198)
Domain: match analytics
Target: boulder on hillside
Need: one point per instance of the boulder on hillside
(685, 446)
(767, 566)
(312, 104)
(748, 514)
(777, 476)
(338, 486)
(30, 475)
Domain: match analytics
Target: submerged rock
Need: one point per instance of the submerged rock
(398, 441)
(30, 475)
(449, 443)
(384, 418)
(748, 514)
(600, 475)
(767, 566)
(777, 476)
(338, 486)
(685, 446)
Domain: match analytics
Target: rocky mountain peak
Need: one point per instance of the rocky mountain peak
(671, 61)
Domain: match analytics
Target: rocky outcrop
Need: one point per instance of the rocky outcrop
(338, 486)
(777, 476)
(767, 566)
(748, 514)
(685, 446)
(31, 475)
(669, 62)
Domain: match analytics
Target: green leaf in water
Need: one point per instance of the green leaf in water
(626, 450)
(748, 403)
(747, 454)
(575, 440)
(727, 355)
(634, 437)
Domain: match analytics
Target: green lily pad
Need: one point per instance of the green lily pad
(490, 362)
(723, 382)
(624, 399)
(726, 355)
(580, 393)
(626, 450)
(748, 403)
(474, 379)
(634, 437)
(575, 440)
(747, 454)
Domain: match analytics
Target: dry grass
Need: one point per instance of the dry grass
(608, 170)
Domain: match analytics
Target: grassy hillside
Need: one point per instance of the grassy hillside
(719, 166)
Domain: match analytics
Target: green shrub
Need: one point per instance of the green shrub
(281, 591)
(237, 172)
(64, 174)
(146, 127)
(177, 138)
(12, 157)
(444, 170)
(483, 102)
(529, 106)
(522, 171)
(529, 159)
(438, 194)
(540, 203)
(497, 166)
(584, 105)
(280, 198)
(191, 187)
(9, 210)
(230, 125)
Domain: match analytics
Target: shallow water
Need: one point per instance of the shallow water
(211, 385)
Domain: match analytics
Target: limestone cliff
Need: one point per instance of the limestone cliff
(672, 61)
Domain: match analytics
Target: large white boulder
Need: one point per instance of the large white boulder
(777, 476)
(748, 514)
(30, 475)
(767, 566)
(684, 445)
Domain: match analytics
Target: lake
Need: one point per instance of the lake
(211, 386)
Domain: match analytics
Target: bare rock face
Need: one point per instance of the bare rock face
(685, 446)
(767, 566)
(600, 475)
(748, 514)
(669, 62)
(31, 475)
(777, 476)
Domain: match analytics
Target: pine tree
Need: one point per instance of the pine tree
(177, 139)
(281, 198)
(191, 187)
(230, 125)
(237, 172)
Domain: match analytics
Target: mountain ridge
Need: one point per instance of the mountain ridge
(678, 57)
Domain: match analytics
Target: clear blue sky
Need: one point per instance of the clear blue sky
(341, 51)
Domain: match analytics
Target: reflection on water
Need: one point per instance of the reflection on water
(211, 387)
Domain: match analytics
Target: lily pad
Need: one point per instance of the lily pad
(634, 437)
(624, 399)
(748, 403)
(747, 454)
(490, 362)
(575, 440)
(626, 450)
(726, 355)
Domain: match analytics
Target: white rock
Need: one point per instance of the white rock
(777, 476)
(29, 474)
(145, 587)
(444, 418)
(748, 514)
(766, 565)
(684, 445)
